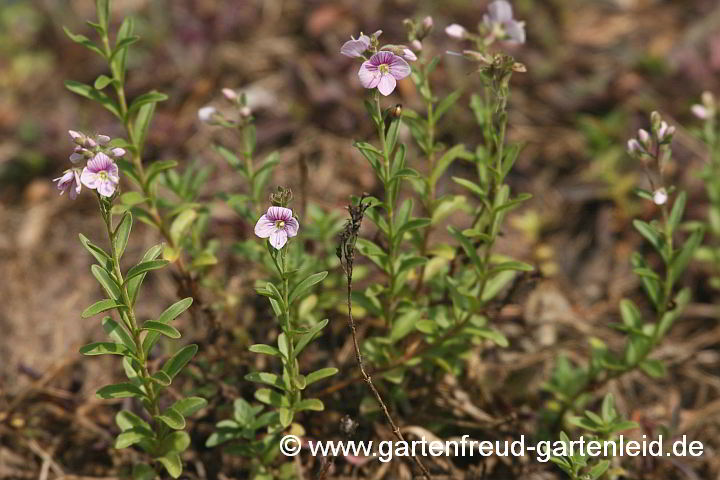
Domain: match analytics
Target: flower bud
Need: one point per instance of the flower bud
(660, 196)
(77, 137)
(655, 120)
(206, 114)
(417, 45)
(633, 146)
(230, 94)
(708, 100)
(245, 111)
(117, 152)
(700, 111)
(102, 139)
(456, 31)
(427, 23)
(644, 137)
(408, 54)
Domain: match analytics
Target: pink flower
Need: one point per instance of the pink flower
(500, 19)
(355, 48)
(700, 112)
(456, 31)
(383, 70)
(101, 174)
(278, 224)
(69, 182)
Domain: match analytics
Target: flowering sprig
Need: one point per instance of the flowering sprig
(181, 218)
(162, 438)
(100, 172)
(707, 112)
(385, 66)
(571, 385)
(497, 25)
(240, 120)
(285, 397)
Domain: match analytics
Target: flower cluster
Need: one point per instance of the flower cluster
(497, 25)
(212, 116)
(100, 173)
(653, 150)
(386, 65)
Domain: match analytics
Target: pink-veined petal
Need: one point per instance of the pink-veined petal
(278, 239)
(399, 68)
(369, 75)
(387, 84)
(515, 31)
(279, 213)
(99, 162)
(292, 226)
(355, 48)
(113, 172)
(106, 187)
(264, 227)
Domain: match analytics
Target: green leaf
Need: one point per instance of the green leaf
(473, 187)
(266, 378)
(118, 333)
(654, 368)
(305, 285)
(512, 265)
(176, 363)
(132, 198)
(104, 348)
(651, 235)
(107, 282)
(445, 104)
(121, 46)
(318, 375)
(445, 161)
(121, 235)
(265, 349)
(140, 127)
(175, 442)
(181, 224)
(677, 212)
(103, 258)
(172, 312)
(89, 92)
(190, 405)
(172, 464)
(157, 167)
(143, 471)
(117, 65)
(271, 397)
(683, 257)
(102, 81)
(131, 437)
(231, 158)
(161, 378)
(133, 285)
(307, 337)
(84, 41)
(164, 328)
(101, 306)
(630, 314)
(285, 417)
(144, 99)
(599, 469)
(120, 390)
(144, 267)
(172, 418)
(310, 404)
(468, 247)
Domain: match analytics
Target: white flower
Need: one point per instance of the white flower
(205, 114)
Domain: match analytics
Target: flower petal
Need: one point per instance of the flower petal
(399, 68)
(279, 213)
(387, 84)
(292, 226)
(355, 48)
(89, 178)
(515, 31)
(369, 75)
(106, 188)
(455, 31)
(99, 163)
(264, 227)
(278, 239)
(500, 11)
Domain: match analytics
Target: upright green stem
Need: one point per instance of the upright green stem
(389, 307)
(132, 320)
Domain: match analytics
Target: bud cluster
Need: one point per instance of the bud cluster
(212, 116)
(654, 151)
(417, 31)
